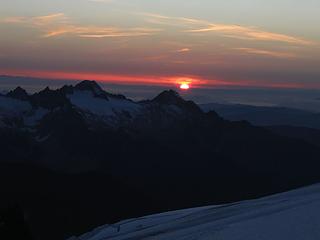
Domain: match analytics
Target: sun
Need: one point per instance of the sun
(184, 86)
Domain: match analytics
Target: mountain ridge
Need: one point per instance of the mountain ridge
(167, 149)
(266, 116)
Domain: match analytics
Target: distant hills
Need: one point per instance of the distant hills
(79, 156)
(265, 116)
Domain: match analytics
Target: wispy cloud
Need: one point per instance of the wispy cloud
(183, 50)
(39, 21)
(13, 20)
(101, 1)
(266, 53)
(100, 32)
(59, 24)
(191, 25)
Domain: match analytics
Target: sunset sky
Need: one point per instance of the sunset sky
(207, 43)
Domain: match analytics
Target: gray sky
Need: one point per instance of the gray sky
(207, 43)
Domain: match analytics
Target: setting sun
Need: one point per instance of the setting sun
(184, 86)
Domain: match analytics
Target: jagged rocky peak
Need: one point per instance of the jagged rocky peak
(66, 89)
(49, 99)
(97, 91)
(168, 97)
(92, 87)
(45, 92)
(88, 85)
(47, 89)
(171, 97)
(18, 93)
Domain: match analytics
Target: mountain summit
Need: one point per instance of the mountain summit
(18, 93)
(87, 85)
(171, 97)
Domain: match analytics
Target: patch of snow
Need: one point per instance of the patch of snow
(33, 117)
(293, 215)
(86, 101)
(97, 91)
(2, 125)
(42, 139)
(12, 107)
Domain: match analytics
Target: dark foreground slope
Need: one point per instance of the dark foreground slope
(79, 157)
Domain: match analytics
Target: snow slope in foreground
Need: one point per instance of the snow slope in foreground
(293, 215)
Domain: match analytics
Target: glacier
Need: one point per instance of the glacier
(292, 215)
(85, 100)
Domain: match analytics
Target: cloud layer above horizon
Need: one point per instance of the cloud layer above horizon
(209, 43)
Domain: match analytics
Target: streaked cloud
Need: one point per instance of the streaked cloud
(13, 20)
(59, 24)
(100, 32)
(183, 50)
(101, 1)
(268, 53)
(191, 25)
(38, 21)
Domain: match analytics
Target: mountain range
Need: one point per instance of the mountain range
(266, 115)
(78, 156)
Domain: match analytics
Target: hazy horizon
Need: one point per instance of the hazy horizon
(307, 99)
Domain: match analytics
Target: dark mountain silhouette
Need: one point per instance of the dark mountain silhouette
(75, 145)
(173, 98)
(266, 116)
(309, 135)
(18, 93)
(93, 87)
(49, 99)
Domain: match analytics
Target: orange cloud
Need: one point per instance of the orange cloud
(266, 53)
(100, 32)
(183, 50)
(13, 20)
(115, 78)
(227, 30)
(39, 21)
(49, 19)
(168, 81)
(59, 24)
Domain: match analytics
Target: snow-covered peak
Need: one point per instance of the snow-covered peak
(98, 106)
(87, 101)
(293, 215)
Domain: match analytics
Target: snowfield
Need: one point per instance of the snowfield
(293, 215)
(86, 101)
(13, 107)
